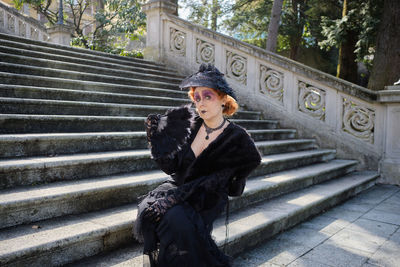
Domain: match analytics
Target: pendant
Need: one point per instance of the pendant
(207, 137)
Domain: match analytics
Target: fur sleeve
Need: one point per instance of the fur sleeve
(252, 158)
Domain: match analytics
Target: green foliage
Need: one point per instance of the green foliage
(363, 19)
(119, 20)
(249, 20)
(115, 22)
(203, 12)
(41, 6)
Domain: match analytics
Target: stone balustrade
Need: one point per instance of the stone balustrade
(12, 22)
(359, 123)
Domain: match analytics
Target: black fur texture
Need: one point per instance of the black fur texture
(174, 128)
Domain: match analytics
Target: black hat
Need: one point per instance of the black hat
(208, 76)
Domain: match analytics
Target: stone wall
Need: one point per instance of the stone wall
(12, 22)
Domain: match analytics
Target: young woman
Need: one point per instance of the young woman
(208, 158)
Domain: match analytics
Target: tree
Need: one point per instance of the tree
(77, 8)
(354, 34)
(41, 6)
(112, 19)
(119, 19)
(274, 25)
(249, 21)
(347, 65)
(386, 64)
(293, 22)
(205, 12)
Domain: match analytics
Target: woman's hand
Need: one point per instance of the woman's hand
(158, 208)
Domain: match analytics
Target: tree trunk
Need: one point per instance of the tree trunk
(386, 64)
(295, 39)
(214, 14)
(274, 25)
(347, 65)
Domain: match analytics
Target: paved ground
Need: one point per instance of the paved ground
(363, 231)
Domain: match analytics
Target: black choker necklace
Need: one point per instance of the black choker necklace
(210, 130)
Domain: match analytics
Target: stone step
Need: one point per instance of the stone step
(262, 221)
(28, 145)
(131, 254)
(272, 134)
(284, 146)
(31, 92)
(48, 144)
(284, 161)
(63, 107)
(76, 75)
(71, 238)
(36, 170)
(17, 123)
(12, 79)
(85, 68)
(38, 52)
(39, 170)
(47, 47)
(272, 185)
(31, 204)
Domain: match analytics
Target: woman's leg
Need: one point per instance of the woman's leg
(180, 243)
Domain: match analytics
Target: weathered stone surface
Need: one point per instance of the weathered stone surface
(76, 52)
(62, 83)
(366, 243)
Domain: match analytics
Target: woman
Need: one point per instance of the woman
(208, 158)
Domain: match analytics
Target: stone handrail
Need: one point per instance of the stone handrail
(12, 22)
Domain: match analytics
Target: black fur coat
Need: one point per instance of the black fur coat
(232, 150)
(204, 182)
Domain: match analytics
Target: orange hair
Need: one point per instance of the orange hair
(231, 106)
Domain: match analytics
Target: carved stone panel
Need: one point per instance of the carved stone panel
(177, 42)
(22, 28)
(236, 67)
(312, 101)
(358, 120)
(271, 83)
(11, 23)
(34, 34)
(205, 52)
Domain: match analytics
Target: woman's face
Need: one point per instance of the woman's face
(208, 103)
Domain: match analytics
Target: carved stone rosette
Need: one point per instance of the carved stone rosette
(177, 42)
(11, 23)
(271, 83)
(34, 34)
(205, 52)
(22, 28)
(236, 67)
(358, 121)
(312, 101)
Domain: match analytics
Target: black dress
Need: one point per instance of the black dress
(183, 235)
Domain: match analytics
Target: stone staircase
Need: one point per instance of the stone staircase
(73, 160)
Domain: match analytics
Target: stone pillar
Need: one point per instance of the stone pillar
(390, 164)
(60, 34)
(154, 10)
